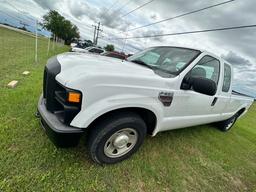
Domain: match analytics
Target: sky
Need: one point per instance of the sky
(236, 46)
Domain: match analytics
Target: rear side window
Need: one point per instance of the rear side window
(227, 78)
(98, 51)
(92, 50)
(208, 67)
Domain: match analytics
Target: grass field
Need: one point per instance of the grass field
(194, 159)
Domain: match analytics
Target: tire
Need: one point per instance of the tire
(116, 137)
(227, 124)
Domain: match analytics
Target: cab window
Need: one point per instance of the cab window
(227, 78)
(208, 67)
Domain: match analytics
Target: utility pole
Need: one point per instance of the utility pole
(94, 33)
(97, 29)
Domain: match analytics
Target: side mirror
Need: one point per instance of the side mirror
(200, 85)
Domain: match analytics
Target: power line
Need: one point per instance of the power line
(21, 12)
(112, 6)
(191, 32)
(136, 8)
(184, 14)
(181, 15)
(123, 6)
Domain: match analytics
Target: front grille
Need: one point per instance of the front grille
(66, 111)
(56, 95)
(51, 70)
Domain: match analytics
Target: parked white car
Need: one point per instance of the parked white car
(72, 45)
(96, 50)
(119, 102)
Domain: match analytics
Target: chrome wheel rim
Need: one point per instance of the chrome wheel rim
(121, 142)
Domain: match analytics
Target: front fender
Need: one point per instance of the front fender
(88, 114)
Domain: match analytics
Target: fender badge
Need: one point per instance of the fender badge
(165, 98)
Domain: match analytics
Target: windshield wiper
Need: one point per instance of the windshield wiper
(142, 63)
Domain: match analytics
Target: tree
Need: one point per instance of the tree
(60, 27)
(109, 47)
(70, 32)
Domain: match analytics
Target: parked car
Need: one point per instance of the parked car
(119, 102)
(84, 44)
(115, 55)
(81, 44)
(72, 45)
(96, 50)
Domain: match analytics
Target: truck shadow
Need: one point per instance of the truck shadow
(80, 155)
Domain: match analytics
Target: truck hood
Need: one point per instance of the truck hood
(76, 65)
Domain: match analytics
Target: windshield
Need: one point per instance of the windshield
(169, 59)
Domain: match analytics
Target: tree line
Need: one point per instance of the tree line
(63, 28)
(60, 27)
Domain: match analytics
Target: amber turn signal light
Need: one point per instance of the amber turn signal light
(74, 97)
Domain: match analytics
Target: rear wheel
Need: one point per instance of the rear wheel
(116, 137)
(227, 124)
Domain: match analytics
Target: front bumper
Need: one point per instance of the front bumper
(60, 134)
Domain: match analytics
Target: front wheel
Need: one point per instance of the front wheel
(116, 137)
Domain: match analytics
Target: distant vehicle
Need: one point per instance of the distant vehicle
(115, 55)
(96, 50)
(72, 45)
(82, 44)
(119, 102)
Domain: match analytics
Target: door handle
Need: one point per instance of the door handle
(214, 101)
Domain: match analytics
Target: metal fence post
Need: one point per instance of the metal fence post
(48, 48)
(36, 45)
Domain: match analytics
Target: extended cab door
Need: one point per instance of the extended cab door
(190, 107)
(225, 90)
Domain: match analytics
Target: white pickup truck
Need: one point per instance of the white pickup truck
(119, 102)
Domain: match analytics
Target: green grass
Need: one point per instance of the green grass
(194, 159)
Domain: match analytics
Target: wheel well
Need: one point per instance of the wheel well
(148, 116)
(240, 112)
